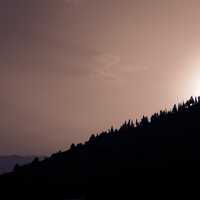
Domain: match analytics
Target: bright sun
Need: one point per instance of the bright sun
(196, 86)
(192, 78)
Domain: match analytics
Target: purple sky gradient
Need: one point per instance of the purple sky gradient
(71, 68)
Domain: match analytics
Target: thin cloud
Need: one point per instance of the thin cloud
(111, 67)
(72, 2)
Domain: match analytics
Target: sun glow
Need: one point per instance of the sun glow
(193, 79)
(196, 86)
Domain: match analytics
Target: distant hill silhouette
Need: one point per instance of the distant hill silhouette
(151, 157)
(7, 163)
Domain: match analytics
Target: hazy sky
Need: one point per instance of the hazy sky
(70, 68)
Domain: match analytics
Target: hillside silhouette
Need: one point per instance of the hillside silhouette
(151, 157)
(8, 162)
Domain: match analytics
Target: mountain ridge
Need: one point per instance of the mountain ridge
(7, 162)
(167, 140)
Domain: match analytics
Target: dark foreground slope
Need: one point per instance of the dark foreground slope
(156, 157)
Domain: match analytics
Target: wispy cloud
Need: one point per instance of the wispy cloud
(112, 67)
(72, 2)
(107, 63)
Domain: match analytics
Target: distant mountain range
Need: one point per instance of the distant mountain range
(156, 156)
(7, 163)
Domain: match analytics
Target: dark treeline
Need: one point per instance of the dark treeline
(149, 156)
